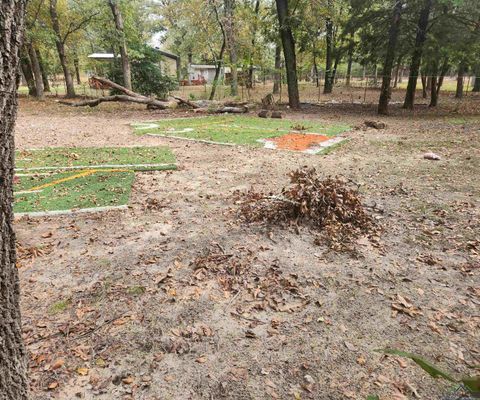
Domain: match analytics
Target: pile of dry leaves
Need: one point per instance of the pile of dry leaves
(328, 206)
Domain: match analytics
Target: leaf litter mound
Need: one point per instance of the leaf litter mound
(330, 207)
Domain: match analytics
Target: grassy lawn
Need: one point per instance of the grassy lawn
(58, 179)
(99, 189)
(136, 158)
(244, 130)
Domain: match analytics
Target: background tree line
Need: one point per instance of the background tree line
(284, 39)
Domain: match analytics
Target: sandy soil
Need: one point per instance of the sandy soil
(113, 307)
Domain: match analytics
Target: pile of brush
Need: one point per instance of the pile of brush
(329, 206)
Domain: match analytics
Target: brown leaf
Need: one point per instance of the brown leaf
(128, 380)
(57, 364)
(82, 371)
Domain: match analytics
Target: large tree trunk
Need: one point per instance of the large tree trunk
(37, 72)
(277, 79)
(351, 46)
(328, 86)
(61, 49)
(232, 45)
(117, 17)
(26, 66)
(46, 83)
(13, 379)
(289, 53)
(417, 54)
(389, 58)
(461, 74)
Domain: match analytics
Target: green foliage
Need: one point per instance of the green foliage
(373, 397)
(136, 290)
(471, 383)
(147, 77)
(59, 307)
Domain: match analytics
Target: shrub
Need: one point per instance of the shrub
(147, 77)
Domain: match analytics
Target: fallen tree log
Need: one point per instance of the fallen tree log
(128, 96)
(186, 102)
(122, 98)
(231, 110)
(152, 104)
(114, 85)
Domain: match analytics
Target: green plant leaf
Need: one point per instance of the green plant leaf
(431, 369)
(472, 383)
(373, 397)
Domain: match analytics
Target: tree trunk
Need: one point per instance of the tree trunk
(460, 76)
(46, 83)
(425, 86)
(328, 86)
(278, 74)
(231, 45)
(218, 70)
(476, 83)
(37, 73)
(389, 58)
(254, 37)
(315, 69)
(117, 18)
(350, 59)
(77, 67)
(335, 66)
(61, 49)
(178, 66)
(26, 65)
(13, 366)
(288, 53)
(417, 54)
(375, 75)
(433, 85)
(443, 72)
(397, 71)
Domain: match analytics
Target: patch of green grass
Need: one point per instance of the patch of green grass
(59, 307)
(100, 189)
(136, 290)
(61, 179)
(143, 158)
(333, 147)
(243, 130)
(463, 120)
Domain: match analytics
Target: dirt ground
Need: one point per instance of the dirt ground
(116, 307)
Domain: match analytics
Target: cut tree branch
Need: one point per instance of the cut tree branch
(121, 98)
(114, 85)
